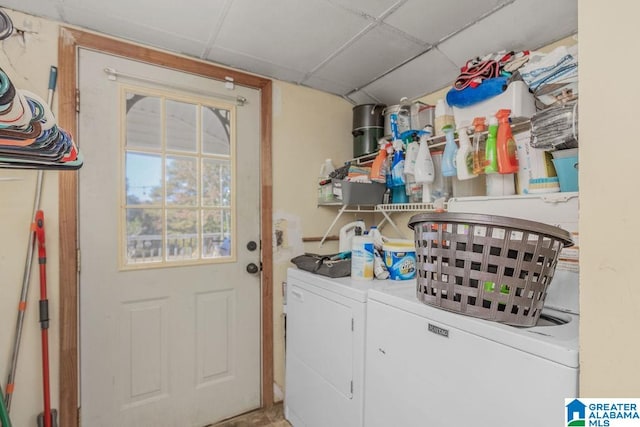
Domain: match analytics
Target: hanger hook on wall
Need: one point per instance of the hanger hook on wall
(6, 26)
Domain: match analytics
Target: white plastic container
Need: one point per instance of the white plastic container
(404, 118)
(516, 98)
(500, 184)
(325, 190)
(400, 259)
(443, 116)
(534, 163)
(347, 233)
(362, 258)
(464, 156)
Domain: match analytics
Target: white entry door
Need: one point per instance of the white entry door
(168, 202)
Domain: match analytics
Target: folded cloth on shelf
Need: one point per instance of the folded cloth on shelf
(473, 95)
(478, 69)
(559, 65)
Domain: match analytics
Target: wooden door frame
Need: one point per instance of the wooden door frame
(69, 41)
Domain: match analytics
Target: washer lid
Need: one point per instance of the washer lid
(344, 286)
(555, 343)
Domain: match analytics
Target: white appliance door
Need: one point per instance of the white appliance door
(320, 365)
(421, 373)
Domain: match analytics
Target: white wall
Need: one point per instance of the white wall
(26, 62)
(609, 231)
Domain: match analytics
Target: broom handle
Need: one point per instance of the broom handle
(26, 275)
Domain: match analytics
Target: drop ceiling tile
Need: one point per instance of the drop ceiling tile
(126, 29)
(337, 88)
(48, 9)
(361, 97)
(425, 74)
(525, 24)
(378, 51)
(253, 65)
(432, 20)
(295, 34)
(191, 21)
(373, 8)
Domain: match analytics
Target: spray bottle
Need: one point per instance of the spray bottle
(506, 146)
(379, 166)
(424, 170)
(464, 157)
(450, 151)
(479, 141)
(491, 153)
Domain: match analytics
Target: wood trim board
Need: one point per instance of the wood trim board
(69, 41)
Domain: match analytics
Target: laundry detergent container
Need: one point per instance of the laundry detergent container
(368, 128)
(566, 165)
(492, 267)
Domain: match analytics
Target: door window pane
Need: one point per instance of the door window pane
(178, 181)
(182, 126)
(144, 235)
(143, 121)
(143, 179)
(182, 234)
(181, 180)
(216, 130)
(216, 182)
(212, 235)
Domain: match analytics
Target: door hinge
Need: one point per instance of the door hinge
(78, 260)
(352, 324)
(77, 100)
(351, 387)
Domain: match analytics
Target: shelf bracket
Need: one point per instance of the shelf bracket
(340, 212)
(388, 219)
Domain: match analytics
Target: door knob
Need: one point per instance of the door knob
(252, 268)
(252, 246)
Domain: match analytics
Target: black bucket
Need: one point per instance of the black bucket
(365, 140)
(368, 116)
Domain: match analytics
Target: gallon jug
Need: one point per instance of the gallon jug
(346, 234)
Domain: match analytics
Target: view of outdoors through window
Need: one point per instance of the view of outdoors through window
(178, 180)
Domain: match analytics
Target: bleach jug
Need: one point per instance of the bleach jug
(362, 257)
(347, 232)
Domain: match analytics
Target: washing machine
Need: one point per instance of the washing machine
(429, 367)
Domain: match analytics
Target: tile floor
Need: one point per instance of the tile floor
(272, 417)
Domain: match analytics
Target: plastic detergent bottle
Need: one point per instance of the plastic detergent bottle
(450, 151)
(464, 157)
(397, 167)
(325, 191)
(362, 258)
(378, 168)
(479, 141)
(491, 152)
(443, 116)
(378, 241)
(412, 155)
(424, 170)
(506, 146)
(379, 268)
(347, 233)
